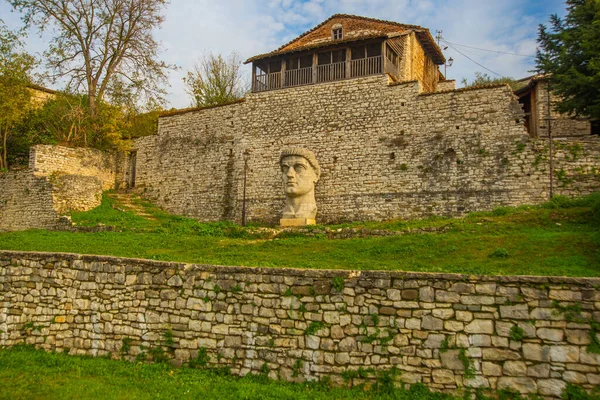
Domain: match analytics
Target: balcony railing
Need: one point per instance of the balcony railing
(319, 73)
(297, 77)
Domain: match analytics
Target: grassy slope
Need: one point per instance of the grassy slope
(559, 238)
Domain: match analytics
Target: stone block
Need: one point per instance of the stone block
(454, 326)
(564, 295)
(431, 323)
(450, 360)
(575, 377)
(577, 336)
(434, 341)
(539, 371)
(519, 311)
(523, 385)
(492, 354)
(427, 294)
(553, 335)
(491, 369)
(447, 297)
(566, 354)
(551, 387)
(514, 368)
(536, 352)
(347, 344)
(480, 326)
(443, 376)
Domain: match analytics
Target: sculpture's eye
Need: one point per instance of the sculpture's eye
(284, 168)
(299, 168)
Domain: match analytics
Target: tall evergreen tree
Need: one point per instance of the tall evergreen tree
(570, 52)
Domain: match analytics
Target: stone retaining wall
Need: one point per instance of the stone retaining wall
(447, 331)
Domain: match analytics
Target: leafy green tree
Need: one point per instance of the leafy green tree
(16, 67)
(485, 79)
(570, 52)
(215, 80)
(102, 46)
(67, 120)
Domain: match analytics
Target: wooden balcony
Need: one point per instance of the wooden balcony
(320, 73)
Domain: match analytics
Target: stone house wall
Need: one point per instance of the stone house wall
(423, 68)
(561, 125)
(386, 151)
(530, 334)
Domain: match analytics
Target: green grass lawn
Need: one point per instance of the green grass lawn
(559, 238)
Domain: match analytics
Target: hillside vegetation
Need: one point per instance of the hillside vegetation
(561, 237)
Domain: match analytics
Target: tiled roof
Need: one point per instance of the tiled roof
(423, 35)
(171, 113)
(41, 88)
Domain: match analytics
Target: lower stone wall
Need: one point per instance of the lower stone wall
(531, 334)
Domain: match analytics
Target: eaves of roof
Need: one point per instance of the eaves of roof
(314, 46)
(423, 35)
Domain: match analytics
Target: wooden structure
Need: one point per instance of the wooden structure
(347, 46)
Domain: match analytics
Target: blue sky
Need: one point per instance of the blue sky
(250, 27)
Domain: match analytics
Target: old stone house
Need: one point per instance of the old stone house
(347, 46)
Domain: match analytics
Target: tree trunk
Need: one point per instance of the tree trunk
(93, 105)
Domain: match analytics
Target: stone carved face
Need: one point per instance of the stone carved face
(298, 176)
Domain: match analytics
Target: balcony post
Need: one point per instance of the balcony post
(314, 67)
(384, 59)
(283, 66)
(253, 76)
(348, 60)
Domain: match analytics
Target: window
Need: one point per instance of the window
(336, 32)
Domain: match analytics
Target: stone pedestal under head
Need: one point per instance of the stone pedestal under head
(299, 172)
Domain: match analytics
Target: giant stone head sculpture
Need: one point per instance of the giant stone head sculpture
(299, 172)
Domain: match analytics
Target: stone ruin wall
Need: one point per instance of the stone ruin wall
(46, 160)
(529, 334)
(386, 151)
(26, 202)
(59, 180)
(31, 202)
